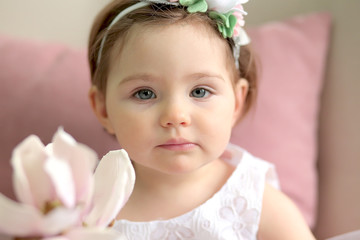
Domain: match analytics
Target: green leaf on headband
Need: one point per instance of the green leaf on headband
(225, 21)
(194, 6)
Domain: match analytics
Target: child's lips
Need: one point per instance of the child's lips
(178, 144)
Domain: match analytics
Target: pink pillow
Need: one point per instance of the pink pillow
(282, 128)
(45, 85)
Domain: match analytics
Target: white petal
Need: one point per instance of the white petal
(61, 175)
(224, 6)
(95, 234)
(114, 182)
(81, 159)
(17, 219)
(23, 220)
(31, 183)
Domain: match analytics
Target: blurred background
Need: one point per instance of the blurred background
(69, 21)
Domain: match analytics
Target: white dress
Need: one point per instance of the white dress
(231, 213)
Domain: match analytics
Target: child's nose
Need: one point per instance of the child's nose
(175, 114)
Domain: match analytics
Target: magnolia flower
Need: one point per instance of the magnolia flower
(59, 196)
(228, 14)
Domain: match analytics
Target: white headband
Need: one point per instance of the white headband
(240, 39)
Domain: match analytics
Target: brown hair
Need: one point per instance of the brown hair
(155, 14)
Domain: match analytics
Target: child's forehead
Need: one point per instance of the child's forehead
(173, 38)
(173, 50)
(195, 28)
(195, 33)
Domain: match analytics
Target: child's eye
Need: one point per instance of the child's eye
(199, 93)
(144, 94)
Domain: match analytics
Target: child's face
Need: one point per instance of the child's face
(170, 98)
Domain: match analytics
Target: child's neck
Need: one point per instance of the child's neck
(163, 196)
(153, 181)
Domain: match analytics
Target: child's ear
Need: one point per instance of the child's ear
(98, 105)
(241, 91)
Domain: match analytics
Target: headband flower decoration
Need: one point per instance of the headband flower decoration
(227, 13)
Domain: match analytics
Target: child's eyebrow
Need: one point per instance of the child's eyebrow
(149, 77)
(205, 75)
(142, 77)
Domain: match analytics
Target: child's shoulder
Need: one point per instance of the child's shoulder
(280, 218)
(278, 212)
